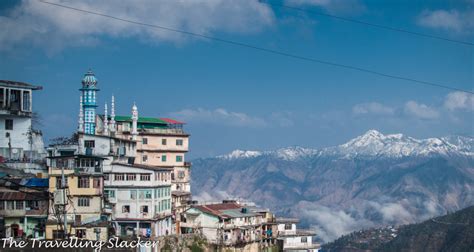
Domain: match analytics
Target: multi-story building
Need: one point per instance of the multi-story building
(227, 223)
(77, 206)
(21, 146)
(140, 204)
(23, 207)
(140, 196)
(161, 142)
(293, 239)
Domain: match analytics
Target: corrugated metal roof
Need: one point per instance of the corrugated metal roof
(37, 182)
(140, 119)
(217, 209)
(23, 196)
(18, 84)
(171, 121)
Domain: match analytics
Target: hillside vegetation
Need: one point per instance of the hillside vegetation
(451, 232)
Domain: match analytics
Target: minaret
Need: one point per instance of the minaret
(106, 121)
(112, 116)
(89, 90)
(80, 127)
(134, 122)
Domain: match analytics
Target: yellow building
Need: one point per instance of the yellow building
(82, 203)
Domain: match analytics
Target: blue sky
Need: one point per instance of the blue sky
(234, 97)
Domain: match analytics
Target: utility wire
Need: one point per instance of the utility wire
(263, 49)
(390, 28)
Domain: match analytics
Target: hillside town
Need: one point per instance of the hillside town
(117, 176)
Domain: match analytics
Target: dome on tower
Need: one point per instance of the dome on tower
(89, 79)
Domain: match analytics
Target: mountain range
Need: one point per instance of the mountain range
(372, 180)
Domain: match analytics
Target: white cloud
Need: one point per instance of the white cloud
(54, 28)
(394, 212)
(459, 100)
(421, 111)
(373, 108)
(450, 20)
(339, 6)
(220, 116)
(330, 223)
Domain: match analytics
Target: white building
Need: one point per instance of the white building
(140, 197)
(294, 239)
(21, 146)
(227, 223)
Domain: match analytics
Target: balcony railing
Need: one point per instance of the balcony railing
(163, 131)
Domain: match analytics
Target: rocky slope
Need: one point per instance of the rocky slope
(371, 180)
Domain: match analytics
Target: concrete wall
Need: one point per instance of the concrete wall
(19, 134)
(297, 241)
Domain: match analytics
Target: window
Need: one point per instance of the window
(163, 158)
(304, 239)
(163, 141)
(126, 209)
(26, 101)
(8, 124)
(19, 205)
(58, 234)
(179, 158)
(145, 158)
(96, 183)
(145, 177)
(83, 182)
(10, 205)
(287, 226)
(179, 142)
(131, 177)
(83, 202)
(89, 143)
(133, 194)
(106, 176)
(144, 209)
(119, 177)
(144, 194)
(109, 194)
(145, 140)
(59, 182)
(2, 205)
(181, 174)
(32, 204)
(80, 233)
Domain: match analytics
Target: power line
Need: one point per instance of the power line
(263, 49)
(390, 28)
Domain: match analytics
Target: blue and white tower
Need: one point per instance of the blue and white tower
(89, 101)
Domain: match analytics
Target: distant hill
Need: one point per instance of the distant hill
(451, 232)
(372, 180)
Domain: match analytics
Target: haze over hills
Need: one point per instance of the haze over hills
(371, 180)
(451, 232)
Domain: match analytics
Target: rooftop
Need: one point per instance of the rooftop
(147, 167)
(151, 120)
(226, 210)
(18, 84)
(284, 220)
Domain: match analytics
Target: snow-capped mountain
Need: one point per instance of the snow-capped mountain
(371, 180)
(289, 153)
(373, 144)
(236, 154)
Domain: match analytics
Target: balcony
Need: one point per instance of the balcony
(301, 246)
(171, 131)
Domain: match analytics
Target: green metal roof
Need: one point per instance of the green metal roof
(140, 120)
